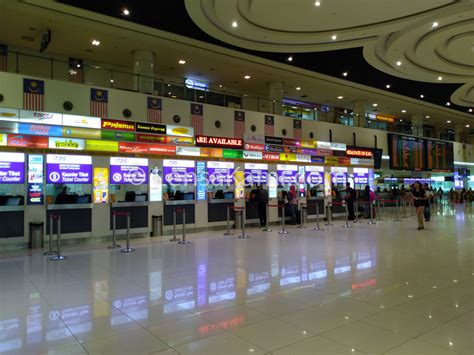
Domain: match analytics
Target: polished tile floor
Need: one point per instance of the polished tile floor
(370, 289)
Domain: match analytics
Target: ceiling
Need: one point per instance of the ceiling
(74, 28)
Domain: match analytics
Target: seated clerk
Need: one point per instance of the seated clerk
(62, 197)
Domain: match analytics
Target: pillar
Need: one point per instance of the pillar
(459, 133)
(143, 70)
(417, 124)
(275, 93)
(359, 114)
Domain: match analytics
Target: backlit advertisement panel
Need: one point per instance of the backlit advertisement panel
(39, 130)
(35, 193)
(128, 170)
(68, 169)
(22, 140)
(101, 185)
(256, 173)
(41, 117)
(12, 168)
(66, 143)
(287, 174)
(314, 175)
(81, 121)
(220, 173)
(178, 172)
(104, 146)
(78, 132)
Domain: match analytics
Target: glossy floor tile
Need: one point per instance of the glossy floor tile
(370, 289)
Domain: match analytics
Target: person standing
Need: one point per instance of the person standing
(419, 197)
(350, 198)
(292, 202)
(427, 209)
(262, 201)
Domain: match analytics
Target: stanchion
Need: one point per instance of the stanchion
(329, 214)
(303, 212)
(356, 210)
(127, 248)
(397, 212)
(379, 214)
(371, 221)
(228, 222)
(174, 239)
(347, 225)
(404, 204)
(183, 240)
(58, 255)
(242, 224)
(283, 229)
(412, 209)
(267, 211)
(317, 228)
(50, 243)
(114, 232)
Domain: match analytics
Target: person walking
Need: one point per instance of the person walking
(262, 201)
(350, 198)
(419, 197)
(292, 202)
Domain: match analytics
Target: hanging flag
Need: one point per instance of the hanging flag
(3, 57)
(239, 124)
(296, 128)
(76, 70)
(153, 109)
(33, 94)
(99, 102)
(269, 125)
(197, 118)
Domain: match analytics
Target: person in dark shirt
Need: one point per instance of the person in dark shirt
(262, 200)
(350, 198)
(420, 202)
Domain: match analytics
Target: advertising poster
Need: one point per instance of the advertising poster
(315, 175)
(201, 180)
(81, 121)
(78, 132)
(12, 168)
(66, 143)
(3, 139)
(68, 169)
(272, 185)
(103, 146)
(156, 185)
(35, 180)
(178, 172)
(126, 171)
(179, 131)
(22, 140)
(41, 117)
(287, 174)
(101, 185)
(220, 173)
(256, 173)
(239, 190)
(39, 130)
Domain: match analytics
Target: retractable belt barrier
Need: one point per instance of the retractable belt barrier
(329, 214)
(283, 230)
(303, 215)
(317, 228)
(397, 208)
(58, 256)
(114, 231)
(228, 221)
(183, 240)
(127, 248)
(50, 243)
(346, 225)
(267, 211)
(241, 211)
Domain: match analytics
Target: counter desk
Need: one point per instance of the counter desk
(75, 218)
(12, 223)
(311, 203)
(170, 205)
(138, 216)
(217, 209)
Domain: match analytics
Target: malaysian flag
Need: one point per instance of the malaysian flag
(153, 110)
(76, 70)
(33, 94)
(197, 118)
(3, 57)
(99, 102)
(269, 125)
(296, 128)
(239, 124)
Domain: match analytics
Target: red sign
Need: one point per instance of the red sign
(359, 152)
(162, 149)
(21, 140)
(219, 142)
(254, 146)
(270, 156)
(291, 141)
(150, 138)
(290, 149)
(116, 125)
(344, 161)
(131, 147)
(323, 152)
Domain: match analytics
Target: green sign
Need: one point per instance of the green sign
(232, 154)
(118, 136)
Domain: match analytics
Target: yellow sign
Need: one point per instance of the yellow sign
(308, 144)
(385, 118)
(239, 179)
(3, 139)
(75, 132)
(101, 185)
(211, 152)
(287, 157)
(331, 161)
(104, 146)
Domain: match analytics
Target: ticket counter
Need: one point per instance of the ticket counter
(314, 179)
(221, 190)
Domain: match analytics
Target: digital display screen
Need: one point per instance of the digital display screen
(315, 175)
(201, 180)
(439, 155)
(406, 152)
(35, 180)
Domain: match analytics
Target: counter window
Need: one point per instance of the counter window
(315, 181)
(128, 179)
(220, 177)
(179, 177)
(12, 179)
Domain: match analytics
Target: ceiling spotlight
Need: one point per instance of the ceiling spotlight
(125, 12)
(317, 3)
(181, 61)
(422, 96)
(404, 111)
(95, 42)
(448, 121)
(375, 105)
(467, 126)
(448, 103)
(399, 63)
(401, 120)
(298, 88)
(470, 110)
(435, 24)
(427, 116)
(340, 97)
(247, 77)
(387, 86)
(345, 74)
(220, 85)
(440, 78)
(78, 65)
(334, 37)
(111, 80)
(290, 58)
(234, 24)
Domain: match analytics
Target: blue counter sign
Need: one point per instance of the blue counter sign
(201, 180)
(196, 84)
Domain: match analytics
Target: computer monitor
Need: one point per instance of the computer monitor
(130, 196)
(229, 195)
(83, 199)
(188, 196)
(13, 201)
(140, 198)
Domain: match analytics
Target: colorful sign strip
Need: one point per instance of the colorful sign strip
(219, 142)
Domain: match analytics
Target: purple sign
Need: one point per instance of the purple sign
(315, 177)
(256, 176)
(128, 174)
(287, 176)
(66, 173)
(12, 172)
(220, 176)
(361, 178)
(178, 175)
(339, 178)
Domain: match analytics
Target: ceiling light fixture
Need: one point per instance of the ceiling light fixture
(470, 110)
(427, 116)
(440, 78)
(298, 88)
(375, 105)
(181, 61)
(95, 42)
(388, 86)
(422, 96)
(317, 3)
(125, 12)
(399, 63)
(111, 80)
(404, 111)
(234, 24)
(290, 58)
(448, 103)
(435, 24)
(448, 121)
(220, 85)
(247, 77)
(467, 126)
(345, 74)
(334, 37)
(340, 97)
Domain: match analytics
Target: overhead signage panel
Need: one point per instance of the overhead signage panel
(79, 132)
(220, 173)
(133, 171)
(12, 168)
(117, 125)
(178, 172)
(9, 127)
(26, 141)
(68, 169)
(180, 131)
(154, 128)
(81, 121)
(254, 138)
(252, 155)
(8, 114)
(274, 140)
(66, 143)
(359, 152)
(41, 117)
(219, 142)
(40, 130)
(95, 145)
(150, 138)
(254, 146)
(118, 136)
(188, 151)
(196, 84)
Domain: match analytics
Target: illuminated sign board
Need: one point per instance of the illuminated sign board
(21, 140)
(201, 180)
(101, 185)
(254, 138)
(361, 176)
(315, 175)
(339, 175)
(188, 151)
(303, 158)
(274, 148)
(68, 169)
(254, 146)
(273, 140)
(154, 128)
(81, 121)
(12, 168)
(3, 139)
(220, 173)
(8, 114)
(132, 147)
(78, 132)
(212, 152)
(156, 185)
(116, 125)
(118, 136)
(271, 156)
(359, 152)
(231, 153)
(179, 131)
(179, 140)
(150, 138)
(41, 117)
(292, 142)
(272, 185)
(104, 146)
(162, 149)
(178, 172)
(9, 127)
(39, 130)
(287, 174)
(66, 143)
(196, 84)
(35, 193)
(132, 171)
(256, 173)
(219, 142)
(252, 155)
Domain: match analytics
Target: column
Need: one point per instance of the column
(143, 70)
(359, 114)
(459, 132)
(275, 93)
(417, 124)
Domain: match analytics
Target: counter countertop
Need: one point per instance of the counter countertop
(179, 202)
(69, 206)
(12, 208)
(129, 204)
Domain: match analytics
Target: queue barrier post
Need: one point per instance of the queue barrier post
(267, 211)
(114, 232)
(174, 239)
(329, 214)
(228, 222)
(397, 212)
(241, 210)
(404, 202)
(303, 212)
(346, 215)
(283, 229)
(58, 256)
(356, 209)
(377, 209)
(127, 248)
(317, 228)
(183, 241)
(371, 221)
(50, 243)
(412, 209)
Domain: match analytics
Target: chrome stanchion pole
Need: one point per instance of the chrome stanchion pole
(356, 210)
(114, 232)
(183, 240)
(397, 212)
(404, 208)
(50, 249)
(347, 225)
(242, 225)
(58, 255)
(283, 229)
(267, 211)
(412, 209)
(302, 217)
(317, 228)
(371, 221)
(127, 249)
(228, 222)
(329, 214)
(174, 239)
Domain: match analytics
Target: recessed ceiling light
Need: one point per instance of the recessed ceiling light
(448, 103)
(345, 74)
(220, 85)
(422, 96)
(375, 105)
(334, 37)
(298, 88)
(387, 86)
(317, 3)
(448, 121)
(95, 42)
(78, 65)
(125, 12)
(340, 97)
(404, 111)
(467, 126)
(470, 110)
(427, 116)
(111, 80)
(234, 24)
(440, 78)
(181, 61)
(247, 77)
(401, 120)
(399, 63)
(290, 58)
(435, 24)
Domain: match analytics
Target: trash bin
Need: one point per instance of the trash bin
(36, 235)
(156, 226)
